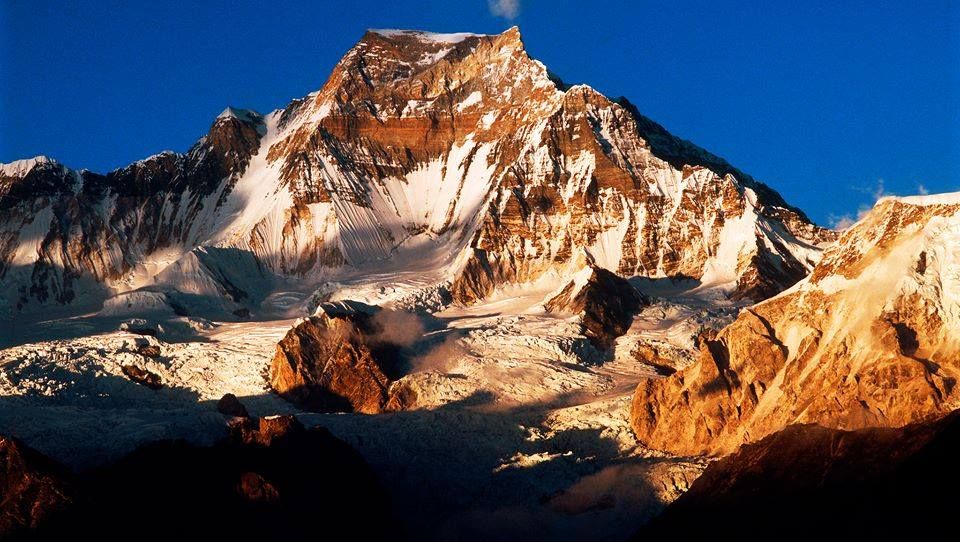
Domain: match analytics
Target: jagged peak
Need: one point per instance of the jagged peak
(511, 36)
(245, 115)
(513, 31)
(449, 38)
(424, 48)
(582, 88)
(157, 156)
(585, 92)
(160, 154)
(421, 35)
(19, 168)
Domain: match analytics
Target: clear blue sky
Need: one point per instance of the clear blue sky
(830, 103)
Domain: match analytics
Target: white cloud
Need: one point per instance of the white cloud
(842, 222)
(508, 9)
(922, 190)
(877, 191)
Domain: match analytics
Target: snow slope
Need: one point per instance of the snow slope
(453, 155)
(515, 413)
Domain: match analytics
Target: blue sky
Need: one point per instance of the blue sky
(832, 103)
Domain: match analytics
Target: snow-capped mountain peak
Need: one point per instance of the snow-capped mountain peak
(454, 158)
(20, 168)
(246, 115)
(420, 35)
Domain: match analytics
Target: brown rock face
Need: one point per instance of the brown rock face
(264, 431)
(256, 488)
(149, 350)
(463, 143)
(143, 376)
(335, 364)
(33, 489)
(808, 482)
(662, 362)
(606, 302)
(869, 340)
(272, 479)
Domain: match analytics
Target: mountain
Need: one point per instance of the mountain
(869, 339)
(808, 482)
(34, 488)
(455, 159)
(606, 302)
(508, 295)
(260, 481)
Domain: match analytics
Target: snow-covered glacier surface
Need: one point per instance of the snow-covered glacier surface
(520, 422)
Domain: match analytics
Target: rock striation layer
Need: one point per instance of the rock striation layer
(868, 340)
(452, 154)
(336, 363)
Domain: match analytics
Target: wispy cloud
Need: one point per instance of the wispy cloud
(875, 191)
(841, 222)
(508, 9)
(922, 190)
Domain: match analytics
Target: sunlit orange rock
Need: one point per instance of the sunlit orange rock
(871, 339)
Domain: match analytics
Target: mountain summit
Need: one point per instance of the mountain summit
(535, 312)
(453, 157)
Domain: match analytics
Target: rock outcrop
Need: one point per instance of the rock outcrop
(454, 154)
(336, 363)
(272, 478)
(870, 339)
(144, 377)
(229, 405)
(808, 482)
(33, 489)
(605, 302)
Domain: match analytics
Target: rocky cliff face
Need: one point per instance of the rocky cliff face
(605, 303)
(454, 154)
(866, 484)
(74, 237)
(868, 340)
(33, 489)
(263, 481)
(336, 363)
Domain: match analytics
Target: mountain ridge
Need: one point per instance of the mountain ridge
(565, 309)
(866, 340)
(535, 178)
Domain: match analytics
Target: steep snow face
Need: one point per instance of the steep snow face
(20, 168)
(90, 235)
(868, 339)
(455, 155)
(245, 115)
(455, 37)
